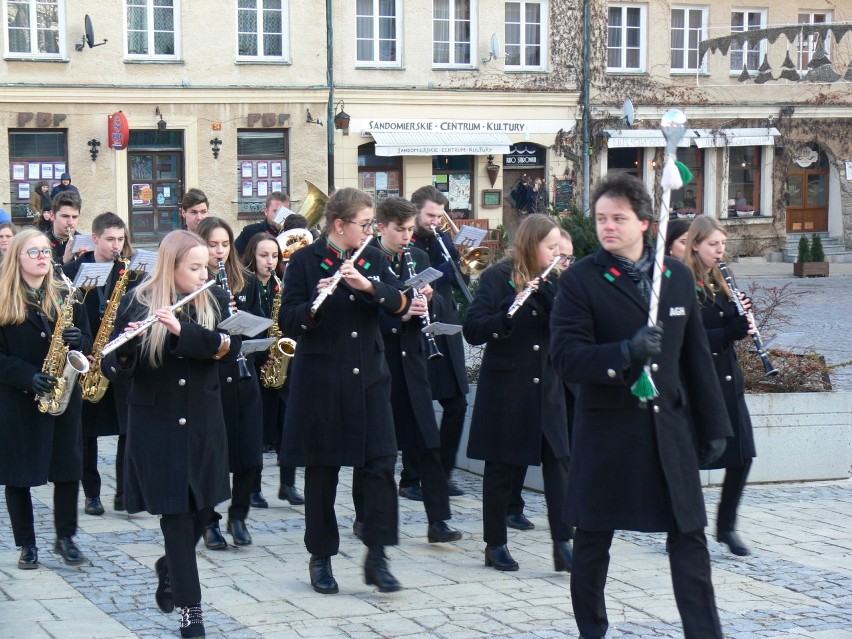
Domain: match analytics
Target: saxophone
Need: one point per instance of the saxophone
(93, 383)
(274, 372)
(61, 363)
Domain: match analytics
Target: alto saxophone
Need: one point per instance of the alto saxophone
(61, 363)
(274, 372)
(93, 383)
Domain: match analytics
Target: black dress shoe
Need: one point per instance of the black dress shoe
(238, 530)
(440, 533)
(563, 559)
(191, 622)
(498, 557)
(68, 550)
(29, 558)
(94, 506)
(163, 596)
(519, 521)
(118, 503)
(733, 541)
(288, 492)
(213, 538)
(377, 573)
(414, 493)
(257, 500)
(358, 529)
(453, 490)
(322, 579)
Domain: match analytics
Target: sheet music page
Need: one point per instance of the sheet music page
(244, 323)
(254, 345)
(424, 277)
(144, 260)
(470, 236)
(440, 328)
(282, 214)
(92, 274)
(82, 242)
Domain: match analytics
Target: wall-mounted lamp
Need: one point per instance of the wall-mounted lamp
(216, 143)
(654, 164)
(602, 139)
(779, 148)
(94, 143)
(492, 169)
(312, 120)
(341, 119)
(161, 123)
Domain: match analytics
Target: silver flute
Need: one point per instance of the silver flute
(335, 280)
(528, 289)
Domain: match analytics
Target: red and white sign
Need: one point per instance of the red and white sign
(118, 131)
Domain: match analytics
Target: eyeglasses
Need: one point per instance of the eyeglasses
(570, 259)
(364, 226)
(34, 252)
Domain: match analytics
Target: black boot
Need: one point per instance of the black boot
(94, 506)
(238, 530)
(733, 541)
(288, 492)
(499, 558)
(562, 557)
(376, 572)
(440, 533)
(213, 538)
(191, 622)
(66, 547)
(163, 596)
(257, 500)
(29, 558)
(322, 579)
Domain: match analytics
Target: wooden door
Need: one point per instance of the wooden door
(156, 188)
(807, 193)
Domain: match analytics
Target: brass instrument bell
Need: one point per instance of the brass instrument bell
(292, 240)
(313, 208)
(476, 260)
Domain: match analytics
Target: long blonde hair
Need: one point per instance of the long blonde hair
(159, 290)
(524, 251)
(13, 288)
(701, 228)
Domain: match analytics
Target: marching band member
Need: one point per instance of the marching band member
(240, 397)
(676, 233)
(519, 415)
(177, 445)
(63, 225)
(705, 246)
(339, 412)
(7, 232)
(102, 419)
(194, 207)
(37, 447)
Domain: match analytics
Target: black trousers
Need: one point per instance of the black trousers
(452, 424)
(242, 484)
(516, 499)
(181, 533)
(376, 494)
(497, 483)
(286, 477)
(19, 503)
(732, 493)
(690, 567)
(91, 476)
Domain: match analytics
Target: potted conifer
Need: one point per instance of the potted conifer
(811, 259)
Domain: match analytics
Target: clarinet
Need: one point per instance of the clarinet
(528, 290)
(223, 282)
(758, 343)
(434, 353)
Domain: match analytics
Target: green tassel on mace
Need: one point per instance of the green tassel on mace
(685, 174)
(644, 387)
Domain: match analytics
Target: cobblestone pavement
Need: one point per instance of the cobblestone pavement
(797, 584)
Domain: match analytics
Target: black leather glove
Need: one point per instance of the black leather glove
(737, 328)
(646, 343)
(43, 383)
(72, 336)
(711, 451)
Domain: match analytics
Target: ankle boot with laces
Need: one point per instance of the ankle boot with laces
(191, 623)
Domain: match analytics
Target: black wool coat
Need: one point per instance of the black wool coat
(270, 398)
(338, 410)
(634, 467)
(249, 232)
(448, 375)
(405, 353)
(36, 447)
(519, 398)
(176, 438)
(716, 315)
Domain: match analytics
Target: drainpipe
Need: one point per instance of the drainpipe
(329, 118)
(586, 116)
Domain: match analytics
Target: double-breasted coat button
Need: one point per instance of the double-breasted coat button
(656, 409)
(351, 298)
(354, 334)
(610, 373)
(112, 368)
(394, 331)
(356, 371)
(403, 354)
(304, 328)
(181, 382)
(182, 421)
(381, 300)
(536, 380)
(229, 379)
(721, 313)
(655, 367)
(536, 347)
(495, 335)
(728, 378)
(44, 334)
(535, 313)
(715, 354)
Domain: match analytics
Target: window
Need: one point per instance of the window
(377, 29)
(747, 56)
(263, 168)
(35, 28)
(452, 33)
(153, 29)
(34, 156)
(526, 28)
(744, 180)
(626, 39)
(261, 30)
(453, 176)
(689, 199)
(807, 47)
(688, 29)
(378, 175)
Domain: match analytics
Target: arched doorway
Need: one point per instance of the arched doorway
(807, 191)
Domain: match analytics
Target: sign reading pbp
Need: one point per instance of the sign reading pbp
(118, 131)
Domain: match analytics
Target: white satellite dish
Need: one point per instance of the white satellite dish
(495, 49)
(629, 113)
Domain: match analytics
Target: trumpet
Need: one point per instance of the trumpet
(528, 289)
(325, 293)
(434, 352)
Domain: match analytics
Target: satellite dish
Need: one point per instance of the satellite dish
(89, 37)
(629, 114)
(495, 49)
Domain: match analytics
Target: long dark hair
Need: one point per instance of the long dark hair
(235, 271)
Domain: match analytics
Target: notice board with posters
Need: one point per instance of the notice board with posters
(563, 194)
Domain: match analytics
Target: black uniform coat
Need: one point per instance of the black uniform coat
(634, 468)
(176, 439)
(716, 315)
(405, 353)
(270, 397)
(249, 232)
(241, 405)
(520, 399)
(36, 447)
(448, 375)
(338, 410)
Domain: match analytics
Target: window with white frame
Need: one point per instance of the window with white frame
(35, 28)
(747, 55)
(808, 45)
(626, 48)
(153, 29)
(453, 32)
(526, 31)
(377, 32)
(262, 30)
(689, 25)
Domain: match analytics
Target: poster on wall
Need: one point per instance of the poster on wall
(246, 171)
(262, 186)
(459, 193)
(18, 172)
(247, 187)
(47, 171)
(263, 169)
(34, 170)
(24, 191)
(381, 180)
(58, 169)
(277, 186)
(141, 194)
(276, 170)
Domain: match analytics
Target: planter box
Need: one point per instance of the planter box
(799, 437)
(810, 269)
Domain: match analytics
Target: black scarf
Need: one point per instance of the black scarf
(639, 271)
